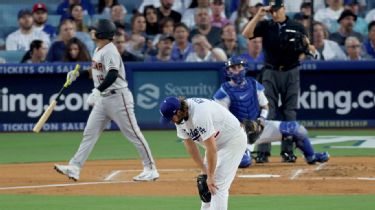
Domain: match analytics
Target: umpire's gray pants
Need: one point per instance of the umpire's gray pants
(287, 84)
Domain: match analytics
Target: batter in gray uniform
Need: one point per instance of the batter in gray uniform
(111, 100)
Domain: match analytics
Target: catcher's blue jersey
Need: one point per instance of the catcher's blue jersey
(244, 102)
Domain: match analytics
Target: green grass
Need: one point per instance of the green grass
(37, 202)
(58, 146)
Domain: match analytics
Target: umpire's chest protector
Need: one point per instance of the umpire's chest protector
(243, 100)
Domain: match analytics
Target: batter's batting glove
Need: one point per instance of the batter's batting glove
(72, 76)
(93, 97)
(204, 192)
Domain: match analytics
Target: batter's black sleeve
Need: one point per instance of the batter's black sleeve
(108, 80)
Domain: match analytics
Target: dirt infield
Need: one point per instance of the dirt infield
(352, 175)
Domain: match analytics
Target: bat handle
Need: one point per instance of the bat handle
(68, 82)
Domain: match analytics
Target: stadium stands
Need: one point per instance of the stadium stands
(12, 56)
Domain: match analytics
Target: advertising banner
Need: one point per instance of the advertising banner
(328, 98)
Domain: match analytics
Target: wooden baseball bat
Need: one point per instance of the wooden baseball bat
(42, 120)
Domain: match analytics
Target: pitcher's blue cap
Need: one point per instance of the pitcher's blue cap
(169, 107)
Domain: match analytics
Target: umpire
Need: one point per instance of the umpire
(284, 42)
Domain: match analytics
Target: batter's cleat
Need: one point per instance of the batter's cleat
(147, 175)
(70, 171)
(288, 157)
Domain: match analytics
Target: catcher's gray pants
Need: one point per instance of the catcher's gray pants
(118, 107)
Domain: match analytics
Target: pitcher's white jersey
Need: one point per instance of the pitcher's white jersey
(105, 59)
(207, 118)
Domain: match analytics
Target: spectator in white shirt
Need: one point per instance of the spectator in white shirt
(329, 15)
(202, 50)
(293, 6)
(328, 50)
(188, 16)
(40, 15)
(21, 39)
(178, 5)
(370, 16)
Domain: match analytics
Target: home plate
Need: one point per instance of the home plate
(259, 176)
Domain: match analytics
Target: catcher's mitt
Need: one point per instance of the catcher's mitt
(204, 192)
(253, 129)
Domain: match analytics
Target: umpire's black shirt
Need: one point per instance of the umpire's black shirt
(270, 32)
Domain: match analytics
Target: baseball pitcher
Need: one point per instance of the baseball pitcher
(207, 123)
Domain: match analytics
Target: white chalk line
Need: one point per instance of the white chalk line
(113, 174)
(62, 185)
(297, 173)
(320, 166)
(122, 182)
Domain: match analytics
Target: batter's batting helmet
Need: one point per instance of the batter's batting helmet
(104, 29)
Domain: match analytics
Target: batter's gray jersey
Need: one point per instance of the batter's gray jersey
(105, 59)
(116, 104)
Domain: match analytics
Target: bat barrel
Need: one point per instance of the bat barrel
(38, 126)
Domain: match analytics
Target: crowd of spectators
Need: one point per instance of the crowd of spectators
(187, 30)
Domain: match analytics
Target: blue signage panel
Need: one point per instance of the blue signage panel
(150, 87)
(337, 99)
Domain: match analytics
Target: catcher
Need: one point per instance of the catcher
(245, 98)
(267, 131)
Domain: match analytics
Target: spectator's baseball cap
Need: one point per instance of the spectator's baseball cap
(23, 12)
(168, 108)
(347, 13)
(39, 6)
(352, 2)
(165, 37)
(276, 4)
(162, 37)
(219, 2)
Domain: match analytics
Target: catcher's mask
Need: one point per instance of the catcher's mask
(235, 61)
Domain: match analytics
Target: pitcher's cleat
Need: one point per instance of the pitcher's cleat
(72, 172)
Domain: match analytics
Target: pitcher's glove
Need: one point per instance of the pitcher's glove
(253, 129)
(204, 192)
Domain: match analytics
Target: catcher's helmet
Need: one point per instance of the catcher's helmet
(104, 29)
(236, 60)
